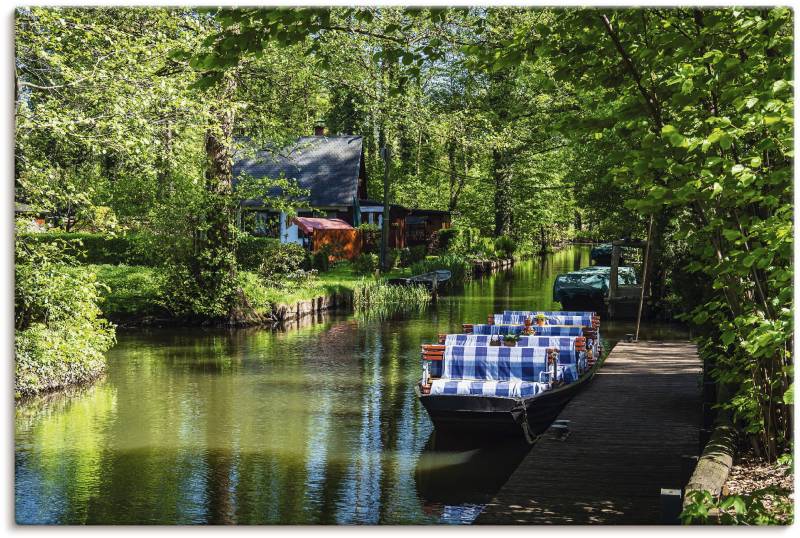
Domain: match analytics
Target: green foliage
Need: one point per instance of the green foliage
(60, 336)
(412, 255)
(130, 291)
(371, 237)
(393, 257)
(279, 261)
(705, 509)
(320, 260)
(258, 295)
(95, 248)
(505, 247)
(251, 250)
(366, 264)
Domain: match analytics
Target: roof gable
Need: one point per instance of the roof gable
(327, 166)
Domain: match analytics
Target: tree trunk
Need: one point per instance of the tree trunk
(216, 269)
(502, 193)
(451, 162)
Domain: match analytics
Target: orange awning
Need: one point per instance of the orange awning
(308, 224)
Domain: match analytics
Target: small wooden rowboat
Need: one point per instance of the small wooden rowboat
(430, 280)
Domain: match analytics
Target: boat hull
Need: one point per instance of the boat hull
(497, 416)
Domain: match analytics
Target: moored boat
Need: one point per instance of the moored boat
(587, 288)
(474, 383)
(430, 280)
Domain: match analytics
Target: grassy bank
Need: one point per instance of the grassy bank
(132, 292)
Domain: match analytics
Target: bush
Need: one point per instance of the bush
(60, 336)
(370, 237)
(250, 250)
(365, 264)
(505, 247)
(455, 240)
(92, 248)
(483, 248)
(321, 259)
(409, 256)
(279, 260)
(442, 239)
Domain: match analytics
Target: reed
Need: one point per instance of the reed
(375, 298)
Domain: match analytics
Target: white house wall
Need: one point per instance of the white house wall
(289, 234)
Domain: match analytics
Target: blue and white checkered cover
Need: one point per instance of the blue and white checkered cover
(533, 313)
(509, 389)
(513, 319)
(494, 363)
(484, 328)
(549, 330)
(565, 345)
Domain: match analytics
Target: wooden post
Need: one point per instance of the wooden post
(613, 281)
(386, 153)
(644, 278)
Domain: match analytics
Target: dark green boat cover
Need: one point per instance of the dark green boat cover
(590, 282)
(601, 255)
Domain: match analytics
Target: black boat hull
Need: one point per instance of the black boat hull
(497, 416)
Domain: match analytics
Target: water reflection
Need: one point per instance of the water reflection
(317, 423)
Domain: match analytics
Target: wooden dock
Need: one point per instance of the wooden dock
(633, 431)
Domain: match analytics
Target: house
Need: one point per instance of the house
(332, 170)
(422, 223)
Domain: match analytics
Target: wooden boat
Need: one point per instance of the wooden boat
(491, 409)
(587, 288)
(495, 415)
(430, 280)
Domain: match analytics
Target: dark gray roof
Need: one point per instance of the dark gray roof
(327, 166)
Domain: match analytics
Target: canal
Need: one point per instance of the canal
(317, 423)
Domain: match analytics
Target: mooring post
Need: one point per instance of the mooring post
(671, 506)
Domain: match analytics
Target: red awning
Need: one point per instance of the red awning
(308, 224)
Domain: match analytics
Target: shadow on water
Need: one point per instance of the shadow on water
(462, 471)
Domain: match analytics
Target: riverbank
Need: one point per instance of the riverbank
(132, 294)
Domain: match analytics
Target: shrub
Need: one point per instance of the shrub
(250, 250)
(279, 260)
(60, 336)
(206, 296)
(442, 239)
(320, 260)
(93, 248)
(365, 264)
(370, 237)
(255, 292)
(409, 256)
(484, 248)
(505, 247)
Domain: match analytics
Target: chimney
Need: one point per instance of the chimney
(319, 128)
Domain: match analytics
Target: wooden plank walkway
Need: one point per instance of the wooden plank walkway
(633, 430)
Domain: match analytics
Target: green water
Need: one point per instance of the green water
(312, 424)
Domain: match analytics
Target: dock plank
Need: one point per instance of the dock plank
(633, 430)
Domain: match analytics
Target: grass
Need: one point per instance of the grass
(131, 290)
